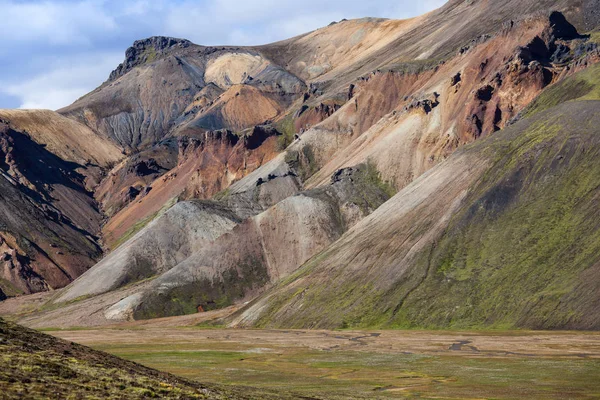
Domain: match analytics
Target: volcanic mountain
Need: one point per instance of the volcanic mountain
(439, 171)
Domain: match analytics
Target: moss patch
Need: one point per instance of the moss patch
(38, 366)
(595, 37)
(287, 130)
(371, 190)
(9, 289)
(149, 55)
(205, 294)
(281, 363)
(514, 256)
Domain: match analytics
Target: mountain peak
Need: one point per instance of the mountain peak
(147, 50)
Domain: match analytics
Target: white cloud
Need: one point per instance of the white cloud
(139, 7)
(65, 82)
(56, 23)
(226, 27)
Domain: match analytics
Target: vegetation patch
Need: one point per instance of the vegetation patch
(36, 366)
(222, 195)
(9, 289)
(288, 131)
(205, 294)
(516, 253)
(594, 37)
(521, 252)
(149, 55)
(371, 190)
(303, 161)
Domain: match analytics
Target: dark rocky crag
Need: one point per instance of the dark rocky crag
(146, 51)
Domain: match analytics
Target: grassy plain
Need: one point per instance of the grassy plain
(367, 365)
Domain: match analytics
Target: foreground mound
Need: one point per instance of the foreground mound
(38, 366)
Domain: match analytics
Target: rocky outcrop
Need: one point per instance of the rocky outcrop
(255, 137)
(134, 175)
(239, 108)
(146, 51)
(41, 247)
(561, 28)
(306, 116)
(168, 86)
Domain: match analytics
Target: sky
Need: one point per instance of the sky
(54, 52)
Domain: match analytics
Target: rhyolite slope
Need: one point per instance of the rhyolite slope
(503, 234)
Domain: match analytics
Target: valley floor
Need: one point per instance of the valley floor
(369, 365)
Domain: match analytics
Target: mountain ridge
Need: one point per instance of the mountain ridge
(286, 148)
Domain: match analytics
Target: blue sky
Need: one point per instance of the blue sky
(53, 52)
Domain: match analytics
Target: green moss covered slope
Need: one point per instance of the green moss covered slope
(511, 242)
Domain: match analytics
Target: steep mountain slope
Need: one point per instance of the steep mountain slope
(424, 116)
(53, 131)
(202, 259)
(49, 221)
(169, 87)
(205, 164)
(503, 233)
(334, 57)
(263, 249)
(165, 242)
(134, 175)
(40, 249)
